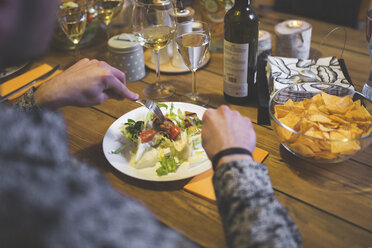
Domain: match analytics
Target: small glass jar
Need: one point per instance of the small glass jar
(213, 13)
(126, 54)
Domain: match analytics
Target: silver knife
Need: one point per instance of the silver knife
(42, 77)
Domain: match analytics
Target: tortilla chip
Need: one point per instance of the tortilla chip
(342, 144)
(302, 149)
(319, 117)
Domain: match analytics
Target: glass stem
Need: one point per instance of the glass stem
(108, 32)
(77, 52)
(157, 68)
(194, 93)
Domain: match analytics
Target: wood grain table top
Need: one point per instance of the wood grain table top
(330, 203)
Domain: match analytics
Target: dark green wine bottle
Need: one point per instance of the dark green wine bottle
(240, 53)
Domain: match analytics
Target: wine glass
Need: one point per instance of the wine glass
(153, 25)
(72, 17)
(107, 10)
(367, 88)
(192, 40)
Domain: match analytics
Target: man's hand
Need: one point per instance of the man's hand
(224, 128)
(86, 83)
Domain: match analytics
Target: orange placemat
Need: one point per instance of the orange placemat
(25, 78)
(202, 186)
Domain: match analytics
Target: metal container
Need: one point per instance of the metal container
(126, 54)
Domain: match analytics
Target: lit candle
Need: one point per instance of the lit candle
(264, 41)
(294, 24)
(293, 39)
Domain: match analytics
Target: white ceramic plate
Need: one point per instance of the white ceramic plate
(112, 138)
(11, 70)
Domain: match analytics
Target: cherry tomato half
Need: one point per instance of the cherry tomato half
(147, 135)
(174, 132)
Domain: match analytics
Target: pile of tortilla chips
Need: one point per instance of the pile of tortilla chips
(333, 121)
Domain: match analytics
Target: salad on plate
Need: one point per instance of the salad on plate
(165, 146)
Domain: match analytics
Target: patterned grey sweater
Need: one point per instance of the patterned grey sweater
(50, 199)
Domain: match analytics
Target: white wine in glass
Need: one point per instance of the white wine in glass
(193, 48)
(107, 10)
(154, 28)
(72, 17)
(156, 37)
(193, 45)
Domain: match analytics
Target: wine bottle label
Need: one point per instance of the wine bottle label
(235, 64)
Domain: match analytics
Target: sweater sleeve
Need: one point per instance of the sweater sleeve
(251, 215)
(26, 102)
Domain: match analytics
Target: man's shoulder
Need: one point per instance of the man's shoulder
(36, 135)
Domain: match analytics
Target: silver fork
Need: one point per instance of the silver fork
(153, 108)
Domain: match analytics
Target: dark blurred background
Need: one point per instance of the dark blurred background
(349, 13)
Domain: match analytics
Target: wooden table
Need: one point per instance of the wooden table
(331, 204)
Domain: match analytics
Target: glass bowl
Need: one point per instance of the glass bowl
(321, 145)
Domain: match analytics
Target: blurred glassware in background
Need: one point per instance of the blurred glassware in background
(367, 88)
(107, 10)
(213, 13)
(122, 20)
(154, 28)
(72, 17)
(61, 41)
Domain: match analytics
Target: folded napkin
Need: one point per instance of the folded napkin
(284, 71)
(25, 78)
(202, 186)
